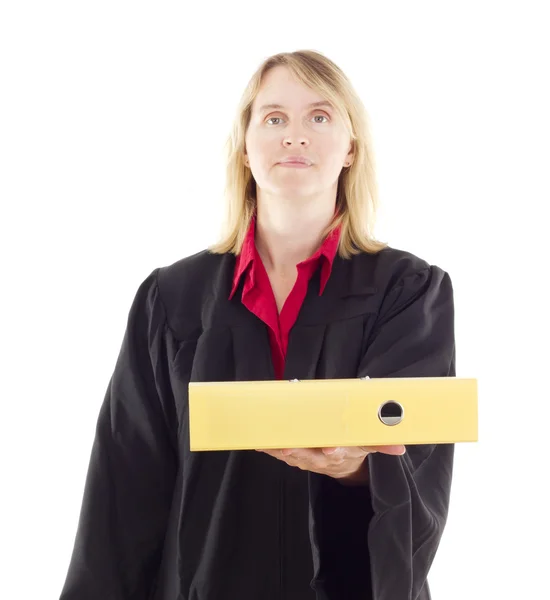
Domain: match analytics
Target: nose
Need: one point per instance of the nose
(302, 141)
(298, 139)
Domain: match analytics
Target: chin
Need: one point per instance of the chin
(297, 191)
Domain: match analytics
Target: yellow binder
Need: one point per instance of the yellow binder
(248, 415)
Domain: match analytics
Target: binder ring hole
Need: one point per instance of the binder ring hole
(391, 413)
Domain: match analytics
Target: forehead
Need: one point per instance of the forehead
(281, 90)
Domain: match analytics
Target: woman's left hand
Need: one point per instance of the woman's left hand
(345, 463)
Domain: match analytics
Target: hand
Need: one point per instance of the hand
(346, 464)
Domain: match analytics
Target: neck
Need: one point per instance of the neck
(288, 235)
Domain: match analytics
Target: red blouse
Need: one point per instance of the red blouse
(258, 294)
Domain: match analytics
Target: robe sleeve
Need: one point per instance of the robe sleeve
(132, 468)
(397, 521)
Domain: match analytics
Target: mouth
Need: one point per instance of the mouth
(294, 165)
(296, 160)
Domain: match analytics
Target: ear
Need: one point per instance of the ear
(351, 154)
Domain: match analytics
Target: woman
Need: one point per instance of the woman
(297, 288)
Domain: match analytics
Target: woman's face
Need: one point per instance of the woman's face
(295, 129)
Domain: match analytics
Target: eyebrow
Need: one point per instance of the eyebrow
(324, 103)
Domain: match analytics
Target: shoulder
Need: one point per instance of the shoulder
(393, 267)
(389, 264)
(193, 271)
(186, 285)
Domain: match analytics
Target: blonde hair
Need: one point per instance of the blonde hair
(357, 195)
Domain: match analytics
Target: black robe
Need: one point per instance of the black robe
(160, 522)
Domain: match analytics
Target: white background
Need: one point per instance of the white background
(112, 120)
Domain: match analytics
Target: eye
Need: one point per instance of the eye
(315, 117)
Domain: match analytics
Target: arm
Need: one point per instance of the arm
(132, 468)
(395, 518)
(414, 337)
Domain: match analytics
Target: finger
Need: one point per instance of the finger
(275, 453)
(396, 450)
(308, 455)
(354, 452)
(336, 455)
